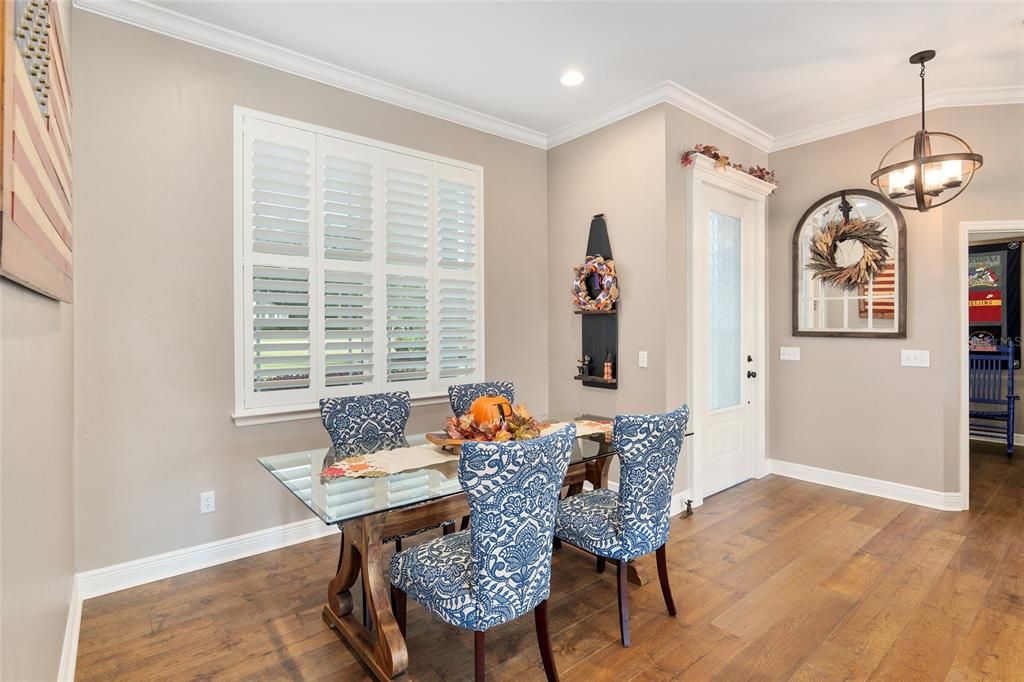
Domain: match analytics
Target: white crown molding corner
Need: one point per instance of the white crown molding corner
(634, 104)
(942, 99)
(706, 110)
(69, 652)
(176, 25)
(936, 499)
(109, 579)
(666, 92)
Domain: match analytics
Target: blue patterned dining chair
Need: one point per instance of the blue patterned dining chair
(461, 396)
(367, 423)
(633, 522)
(500, 568)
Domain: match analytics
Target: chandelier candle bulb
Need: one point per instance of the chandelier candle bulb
(952, 172)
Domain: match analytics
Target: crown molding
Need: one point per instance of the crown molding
(941, 99)
(176, 25)
(634, 104)
(666, 92)
(706, 110)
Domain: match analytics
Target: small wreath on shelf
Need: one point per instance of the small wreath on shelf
(822, 252)
(607, 279)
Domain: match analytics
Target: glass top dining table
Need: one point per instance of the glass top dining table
(342, 499)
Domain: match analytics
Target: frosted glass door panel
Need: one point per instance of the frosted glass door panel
(724, 318)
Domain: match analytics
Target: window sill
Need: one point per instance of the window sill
(275, 415)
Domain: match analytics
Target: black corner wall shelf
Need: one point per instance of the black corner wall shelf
(596, 380)
(600, 328)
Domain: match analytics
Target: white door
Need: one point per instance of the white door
(724, 336)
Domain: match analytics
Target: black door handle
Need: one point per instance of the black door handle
(751, 374)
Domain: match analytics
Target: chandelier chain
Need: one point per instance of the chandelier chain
(922, 97)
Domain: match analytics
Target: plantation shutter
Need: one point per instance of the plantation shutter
(408, 232)
(348, 328)
(348, 185)
(458, 306)
(279, 162)
(278, 204)
(361, 268)
(350, 214)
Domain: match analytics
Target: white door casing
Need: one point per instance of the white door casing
(728, 418)
(964, 231)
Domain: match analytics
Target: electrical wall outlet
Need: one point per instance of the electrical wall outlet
(915, 358)
(642, 358)
(207, 502)
(789, 352)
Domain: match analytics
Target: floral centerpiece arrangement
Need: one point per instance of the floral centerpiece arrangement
(492, 418)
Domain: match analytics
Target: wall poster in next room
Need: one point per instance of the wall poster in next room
(993, 292)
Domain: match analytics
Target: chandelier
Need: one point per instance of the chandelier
(935, 167)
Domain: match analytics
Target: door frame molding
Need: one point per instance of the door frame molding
(703, 173)
(964, 231)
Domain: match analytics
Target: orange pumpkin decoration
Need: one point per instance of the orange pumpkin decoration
(489, 408)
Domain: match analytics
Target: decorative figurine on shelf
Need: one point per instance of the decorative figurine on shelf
(608, 367)
(584, 366)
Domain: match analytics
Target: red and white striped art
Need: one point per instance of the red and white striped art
(35, 233)
(884, 286)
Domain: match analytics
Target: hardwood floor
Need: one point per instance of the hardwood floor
(773, 579)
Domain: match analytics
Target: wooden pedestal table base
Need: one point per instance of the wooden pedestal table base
(381, 646)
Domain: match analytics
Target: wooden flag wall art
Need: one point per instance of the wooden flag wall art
(35, 174)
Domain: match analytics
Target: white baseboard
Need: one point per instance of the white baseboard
(69, 654)
(869, 486)
(131, 573)
(102, 581)
(1018, 439)
(677, 507)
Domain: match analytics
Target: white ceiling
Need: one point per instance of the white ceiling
(786, 69)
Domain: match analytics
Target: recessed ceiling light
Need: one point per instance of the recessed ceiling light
(571, 78)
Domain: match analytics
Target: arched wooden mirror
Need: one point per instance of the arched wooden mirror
(877, 309)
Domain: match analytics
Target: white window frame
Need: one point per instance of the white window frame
(434, 393)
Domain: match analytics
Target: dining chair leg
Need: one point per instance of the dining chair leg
(479, 647)
(666, 589)
(448, 529)
(398, 608)
(623, 602)
(398, 545)
(600, 564)
(540, 618)
(465, 522)
(556, 544)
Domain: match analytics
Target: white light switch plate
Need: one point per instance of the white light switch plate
(642, 358)
(789, 352)
(915, 358)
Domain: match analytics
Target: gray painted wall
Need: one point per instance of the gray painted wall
(847, 404)
(155, 349)
(36, 481)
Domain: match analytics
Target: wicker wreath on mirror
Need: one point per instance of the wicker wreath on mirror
(607, 283)
(822, 252)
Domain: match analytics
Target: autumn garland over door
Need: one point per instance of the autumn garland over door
(35, 232)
